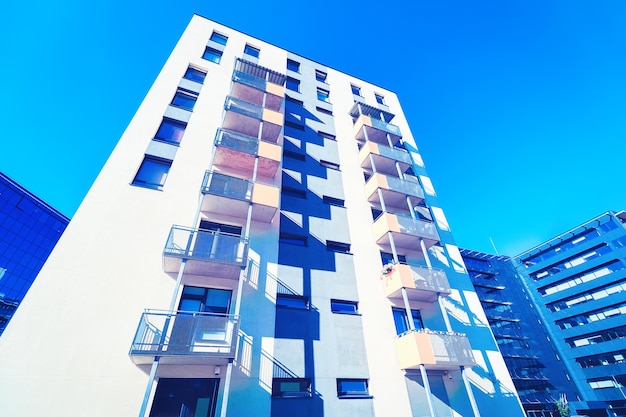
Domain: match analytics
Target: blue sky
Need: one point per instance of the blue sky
(519, 108)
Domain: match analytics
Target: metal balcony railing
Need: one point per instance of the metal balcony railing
(237, 141)
(226, 186)
(206, 245)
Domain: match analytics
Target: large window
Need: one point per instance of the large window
(170, 131)
(293, 84)
(352, 388)
(205, 300)
(252, 51)
(401, 321)
(195, 74)
(219, 38)
(184, 99)
(291, 387)
(152, 172)
(185, 397)
(293, 65)
(212, 54)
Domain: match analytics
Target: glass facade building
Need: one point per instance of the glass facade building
(29, 230)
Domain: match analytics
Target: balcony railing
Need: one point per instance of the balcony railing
(261, 73)
(207, 252)
(387, 127)
(434, 350)
(243, 107)
(406, 230)
(237, 141)
(184, 337)
(375, 130)
(226, 186)
(421, 283)
(394, 189)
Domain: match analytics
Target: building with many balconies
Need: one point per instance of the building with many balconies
(262, 241)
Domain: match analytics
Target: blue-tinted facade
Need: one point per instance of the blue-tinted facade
(29, 229)
(539, 376)
(578, 283)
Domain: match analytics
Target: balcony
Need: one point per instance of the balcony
(421, 283)
(184, 338)
(245, 118)
(406, 231)
(394, 190)
(232, 196)
(384, 157)
(375, 130)
(237, 151)
(259, 85)
(208, 253)
(434, 350)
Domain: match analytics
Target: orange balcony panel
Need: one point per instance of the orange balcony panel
(421, 283)
(275, 89)
(273, 117)
(406, 231)
(270, 156)
(265, 200)
(434, 350)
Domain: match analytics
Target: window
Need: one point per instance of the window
(333, 246)
(293, 192)
(212, 54)
(293, 84)
(252, 51)
(387, 258)
(170, 131)
(152, 172)
(293, 65)
(352, 388)
(330, 165)
(219, 38)
(401, 322)
(355, 90)
(327, 135)
(344, 307)
(194, 74)
(292, 301)
(379, 99)
(205, 300)
(323, 110)
(293, 125)
(297, 240)
(333, 201)
(294, 100)
(320, 76)
(184, 99)
(291, 387)
(294, 155)
(323, 95)
(185, 397)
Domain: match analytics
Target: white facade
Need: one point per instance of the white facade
(314, 245)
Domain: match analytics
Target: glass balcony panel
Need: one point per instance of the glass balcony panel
(406, 231)
(422, 283)
(227, 186)
(207, 252)
(243, 107)
(184, 337)
(387, 127)
(434, 350)
(249, 79)
(394, 190)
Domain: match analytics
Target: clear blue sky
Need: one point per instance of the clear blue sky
(518, 107)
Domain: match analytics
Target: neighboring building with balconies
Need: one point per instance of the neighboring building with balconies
(577, 281)
(262, 241)
(539, 375)
(29, 229)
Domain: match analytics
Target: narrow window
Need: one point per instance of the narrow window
(184, 99)
(292, 301)
(379, 99)
(320, 76)
(212, 54)
(355, 90)
(293, 84)
(330, 165)
(291, 239)
(194, 74)
(323, 110)
(352, 388)
(293, 192)
(293, 65)
(333, 246)
(219, 38)
(333, 201)
(327, 135)
(252, 51)
(323, 95)
(344, 307)
(170, 131)
(291, 387)
(152, 172)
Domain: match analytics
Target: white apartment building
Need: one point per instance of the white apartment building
(263, 241)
